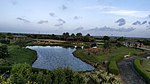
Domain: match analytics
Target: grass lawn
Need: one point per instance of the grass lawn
(100, 56)
(20, 55)
(146, 65)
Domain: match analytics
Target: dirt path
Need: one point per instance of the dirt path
(128, 74)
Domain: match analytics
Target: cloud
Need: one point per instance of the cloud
(144, 22)
(100, 7)
(129, 13)
(58, 25)
(148, 16)
(52, 14)
(121, 22)
(113, 29)
(63, 7)
(42, 21)
(149, 23)
(118, 11)
(22, 19)
(76, 17)
(61, 21)
(136, 23)
(79, 29)
(14, 2)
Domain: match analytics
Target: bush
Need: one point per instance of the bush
(3, 51)
(141, 70)
(23, 73)
(113, 68)
(5, 68)
(5, 41)
(20, 73)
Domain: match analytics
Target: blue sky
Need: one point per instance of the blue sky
(97, 17)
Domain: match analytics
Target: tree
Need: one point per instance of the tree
(65, 35)
(106, 38)
(106, 45)
(3, 51)
(88, 35)
(72, 35)
(121, 39)
(79, 34)
(2, 36)
(9, 36)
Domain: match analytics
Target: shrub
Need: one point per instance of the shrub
(23, 73)
(113, 68)
(141, 70)
(5, 41)
(5, 68)
(20, 73)
(3, 51)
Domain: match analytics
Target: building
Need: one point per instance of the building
(133, 43)
(19, 37)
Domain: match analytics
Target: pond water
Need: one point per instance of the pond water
(53, 57)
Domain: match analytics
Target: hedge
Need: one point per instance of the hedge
(8, 68)
(113, 68)
(141, 70)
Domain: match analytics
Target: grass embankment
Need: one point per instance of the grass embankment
(142, 67)
(114, 55)
(146, 65)
(20, 55)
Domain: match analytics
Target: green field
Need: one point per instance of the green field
(146, 65)
(20, 55)
(114, 53)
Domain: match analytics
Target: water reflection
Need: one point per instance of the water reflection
(53, 57)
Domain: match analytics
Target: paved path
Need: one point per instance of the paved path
(128, 73)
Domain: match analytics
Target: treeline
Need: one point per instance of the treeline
(65, 36)
(5, 37)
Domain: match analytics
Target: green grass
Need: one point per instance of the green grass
(146, 65)
(142, 70)
(113, 56)
(115, 53)
(20, 55)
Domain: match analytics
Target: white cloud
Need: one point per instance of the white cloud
(129, 13)
(118, 11)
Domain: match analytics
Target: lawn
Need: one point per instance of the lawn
(20, 55)
(146, 65)
(99, 56)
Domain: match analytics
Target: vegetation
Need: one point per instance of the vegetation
(146, 42)
(113, 68)
(98, 56)
(100, 77)
(23, 74)
(3, 51)
(107, 55)
(141, 70)
(146, 65)
(20, 55)
(112, 56)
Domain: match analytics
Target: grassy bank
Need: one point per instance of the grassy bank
(142, 69)
(115, 54)
(20, 55)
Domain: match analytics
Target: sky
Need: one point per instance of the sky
(129, 18)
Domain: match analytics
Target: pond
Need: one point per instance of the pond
(53, 57)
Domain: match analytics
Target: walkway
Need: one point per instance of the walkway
(128, 73)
